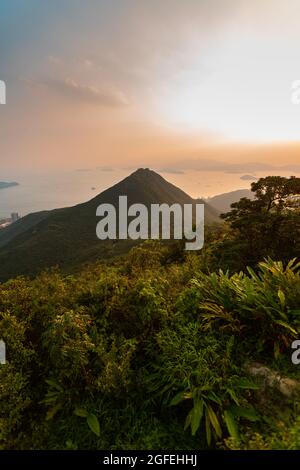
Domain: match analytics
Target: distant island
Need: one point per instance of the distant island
(4, 185)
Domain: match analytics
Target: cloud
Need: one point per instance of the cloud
(215, 165)
(172, 171)
(248, 178)
(231, 168)
(90, 94)
(235, 168)
(294, 168)
(54, 60)
(71, 89)
(88, 63)
(105, 168)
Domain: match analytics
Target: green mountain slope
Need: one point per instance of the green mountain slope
(222, 202)
(67, 237)
(21, 226)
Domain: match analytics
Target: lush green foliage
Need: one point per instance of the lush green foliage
(157, 350)
(148, 353)
(268, 225)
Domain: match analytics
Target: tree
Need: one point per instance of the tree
(268, 225)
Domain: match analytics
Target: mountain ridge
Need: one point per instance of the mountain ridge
(222, 202)
(67, 237)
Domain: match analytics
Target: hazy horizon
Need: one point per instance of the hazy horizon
(194, 90)
(52, 190)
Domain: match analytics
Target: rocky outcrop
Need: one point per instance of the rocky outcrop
(272, 379)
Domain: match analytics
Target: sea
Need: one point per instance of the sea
(56, 189)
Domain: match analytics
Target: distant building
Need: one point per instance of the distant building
(14, 217)
(4, 223)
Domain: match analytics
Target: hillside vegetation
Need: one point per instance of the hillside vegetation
(161, 348)
(129, 356)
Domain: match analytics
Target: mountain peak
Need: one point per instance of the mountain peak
(144, 173)
(144, 186)
(67, 237)
(143, 170)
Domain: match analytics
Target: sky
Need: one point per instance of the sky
(173, 85)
